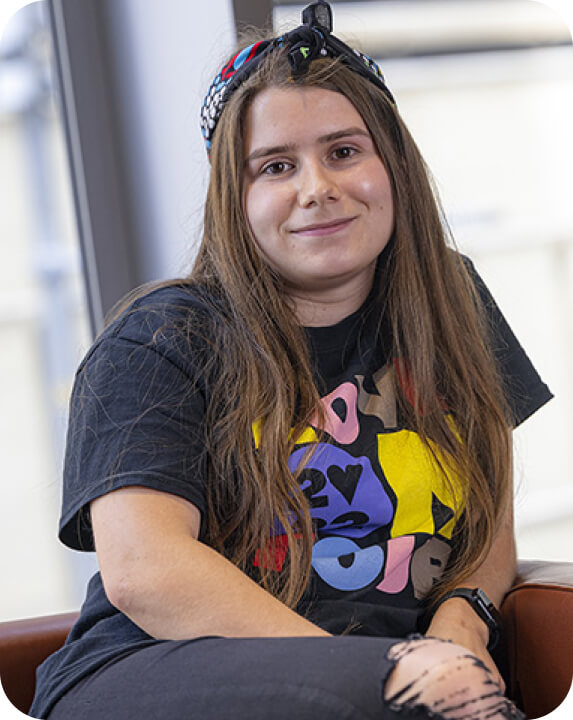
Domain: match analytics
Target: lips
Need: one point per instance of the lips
(323, 228)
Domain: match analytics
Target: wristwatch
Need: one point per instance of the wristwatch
(483, 606)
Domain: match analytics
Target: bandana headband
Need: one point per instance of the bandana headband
(308, 42)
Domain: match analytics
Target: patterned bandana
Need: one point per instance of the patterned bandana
(309, 41)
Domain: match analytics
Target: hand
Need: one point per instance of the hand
(455, 620)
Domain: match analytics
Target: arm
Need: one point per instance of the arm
(455, 619)
(139, 412)
(171, 585)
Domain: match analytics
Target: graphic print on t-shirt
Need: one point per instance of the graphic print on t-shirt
(382, 509)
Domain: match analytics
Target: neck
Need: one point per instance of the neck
(331, 305)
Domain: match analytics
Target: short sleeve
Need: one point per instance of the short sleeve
(524, 389)
(136, 418)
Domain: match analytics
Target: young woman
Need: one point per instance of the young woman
(298, 459)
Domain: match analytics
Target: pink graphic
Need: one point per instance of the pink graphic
(344, 430)
(399, 552)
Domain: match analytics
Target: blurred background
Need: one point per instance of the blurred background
(103, 172)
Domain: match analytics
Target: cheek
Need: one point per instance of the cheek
(385, 199)
(262, 217)
(260, 208)
(249, 206)
(254, 213)
(267, 210)
(374, 189)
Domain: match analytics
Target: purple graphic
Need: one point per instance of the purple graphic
(346, 496)
(344, 565)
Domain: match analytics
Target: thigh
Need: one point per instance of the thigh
(338, 678)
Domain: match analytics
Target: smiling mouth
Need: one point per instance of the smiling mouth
(327, 228)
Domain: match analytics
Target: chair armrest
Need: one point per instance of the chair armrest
(538, 629)
(25, 644)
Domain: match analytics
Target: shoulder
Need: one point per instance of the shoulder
(468, 264)
(170, 321)
(482, 293)
(157, 308)
(524, 389)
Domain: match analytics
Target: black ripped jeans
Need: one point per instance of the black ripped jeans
(337, 678)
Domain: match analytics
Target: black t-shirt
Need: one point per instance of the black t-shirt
(382, 511)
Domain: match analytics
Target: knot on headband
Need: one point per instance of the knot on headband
(306, 44)
(310, 41)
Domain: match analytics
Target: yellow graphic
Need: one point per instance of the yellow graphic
(414, 475)
(308, 435)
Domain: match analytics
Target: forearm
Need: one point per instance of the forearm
(201, 593)
(173, 586)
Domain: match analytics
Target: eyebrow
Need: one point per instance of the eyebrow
(323, 139)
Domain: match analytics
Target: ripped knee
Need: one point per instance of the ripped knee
(446, 681)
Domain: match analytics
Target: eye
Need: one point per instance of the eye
(343, 152)
(277, 167)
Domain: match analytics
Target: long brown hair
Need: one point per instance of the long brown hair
(259, 365)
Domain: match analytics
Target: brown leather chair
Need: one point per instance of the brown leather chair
(538, 629)
(536, 656)
(25, 644)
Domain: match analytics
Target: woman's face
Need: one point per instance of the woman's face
(316, 193)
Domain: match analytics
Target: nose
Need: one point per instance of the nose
(317, 184)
